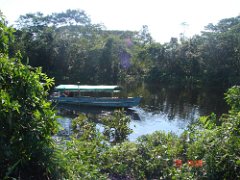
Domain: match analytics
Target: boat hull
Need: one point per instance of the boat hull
(103, 102)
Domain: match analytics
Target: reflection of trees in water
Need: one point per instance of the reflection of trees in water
(67, 112)
(92, 113)
(212, 100)
(73, 111)
(178, 102)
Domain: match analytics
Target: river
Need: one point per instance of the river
(163, 107)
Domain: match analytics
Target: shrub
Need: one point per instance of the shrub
(82, 153)
(27, 118)
(218, 145)
(116, 126)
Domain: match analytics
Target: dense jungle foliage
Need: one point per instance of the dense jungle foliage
(70, 48)
(209, 149)
(27, 119)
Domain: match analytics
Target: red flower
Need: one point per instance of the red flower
(195, 163)
(190, 163)
(198, 163)
(178, 162)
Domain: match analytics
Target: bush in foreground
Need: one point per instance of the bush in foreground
(27, 120)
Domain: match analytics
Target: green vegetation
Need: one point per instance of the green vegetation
(28, 121)
(27, 118)
(69, 47)
(213, 143)
(116, 126)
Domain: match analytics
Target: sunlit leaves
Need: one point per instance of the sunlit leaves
(233, 98)
(6, 35)
(208, 122)
(27, 119)
(116, 126)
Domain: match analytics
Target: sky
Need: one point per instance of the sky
(164, 18)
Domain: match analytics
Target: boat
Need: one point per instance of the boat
(93, 95)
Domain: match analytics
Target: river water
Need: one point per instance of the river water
(163, 107)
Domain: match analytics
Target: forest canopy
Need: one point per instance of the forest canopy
(69, 47)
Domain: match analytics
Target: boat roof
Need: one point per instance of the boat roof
(87, 88)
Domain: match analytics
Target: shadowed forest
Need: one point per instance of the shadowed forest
(70, 48)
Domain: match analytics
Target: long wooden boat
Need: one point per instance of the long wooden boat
(90, 95)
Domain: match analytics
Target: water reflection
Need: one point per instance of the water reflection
(180, 101)
(167, 108)
(94, 113)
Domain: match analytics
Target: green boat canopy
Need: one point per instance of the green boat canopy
(87, 88)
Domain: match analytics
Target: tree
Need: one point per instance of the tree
(27, 120)
(58, 43)
(6, 35)
(108, 63)
(144, 35)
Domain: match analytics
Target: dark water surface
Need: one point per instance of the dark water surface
(166, 108)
